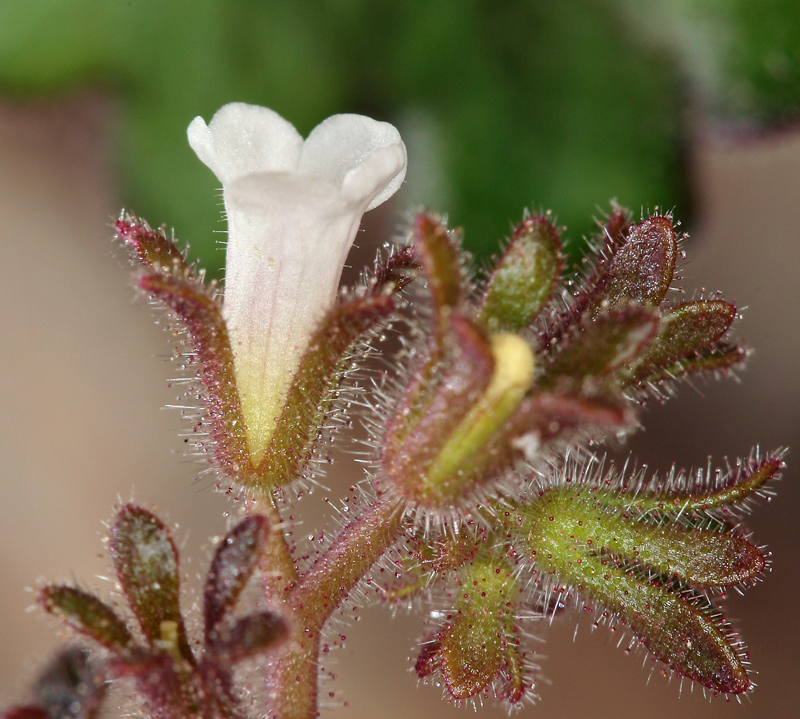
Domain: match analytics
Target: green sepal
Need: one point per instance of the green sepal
(322, 367)
(146, 563)
(234, 562)
(478, 648)
(524, 278)
(727, 498)
(293, 441)
(87, 614)
(684, 330)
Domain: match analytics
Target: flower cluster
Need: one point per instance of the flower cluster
(483, 492)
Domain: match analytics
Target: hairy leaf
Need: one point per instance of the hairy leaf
(525, 277)
(87, 614)
(234, 562)
(146, 561)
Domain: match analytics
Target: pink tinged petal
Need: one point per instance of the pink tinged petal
(365, 158)
(244, 139)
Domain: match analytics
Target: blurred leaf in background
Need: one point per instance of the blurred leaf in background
(504, 104)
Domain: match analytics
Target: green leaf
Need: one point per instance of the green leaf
(87, 614)
(146, 562)
(612, 560)
(525, 277)
(477, 650)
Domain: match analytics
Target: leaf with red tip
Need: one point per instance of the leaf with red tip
(684, 330)
(603, 344)
(438, 255)
(642, 267)
(400, 269)
(429, 414)
(719, 358)
(525, 277)
(146, 561)
(234, 562)
(319, 373)
(152, 248)
(731, 489)
(87, 614)
(203, 320)
(251, 636)
(477, 650)
(611, 560)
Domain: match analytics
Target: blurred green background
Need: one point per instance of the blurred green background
(504, 104)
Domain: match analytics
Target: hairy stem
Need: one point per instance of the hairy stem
(320, 591)
(277, 565)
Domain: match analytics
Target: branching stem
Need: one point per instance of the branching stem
(319, 592)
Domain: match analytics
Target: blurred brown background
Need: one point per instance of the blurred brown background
(83, 376)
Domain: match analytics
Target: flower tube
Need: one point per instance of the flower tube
(293, 210)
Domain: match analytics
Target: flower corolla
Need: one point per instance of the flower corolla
(293, 210)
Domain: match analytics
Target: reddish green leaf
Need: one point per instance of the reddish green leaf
(602, 345)
(146, 561)
(319, 373)
(203, 320)
(438, 255)
(152, 248)
(234, 562)
(431, 411)
(477, 650)
(719, 358)
(525, 277)
(87, 614)
(641, 268)
(684, 331)
(248, 637)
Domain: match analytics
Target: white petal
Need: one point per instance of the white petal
(288, 238)
(243, 139)
(377, 178)
(340, 144)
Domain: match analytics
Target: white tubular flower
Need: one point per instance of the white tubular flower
(293, 211)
